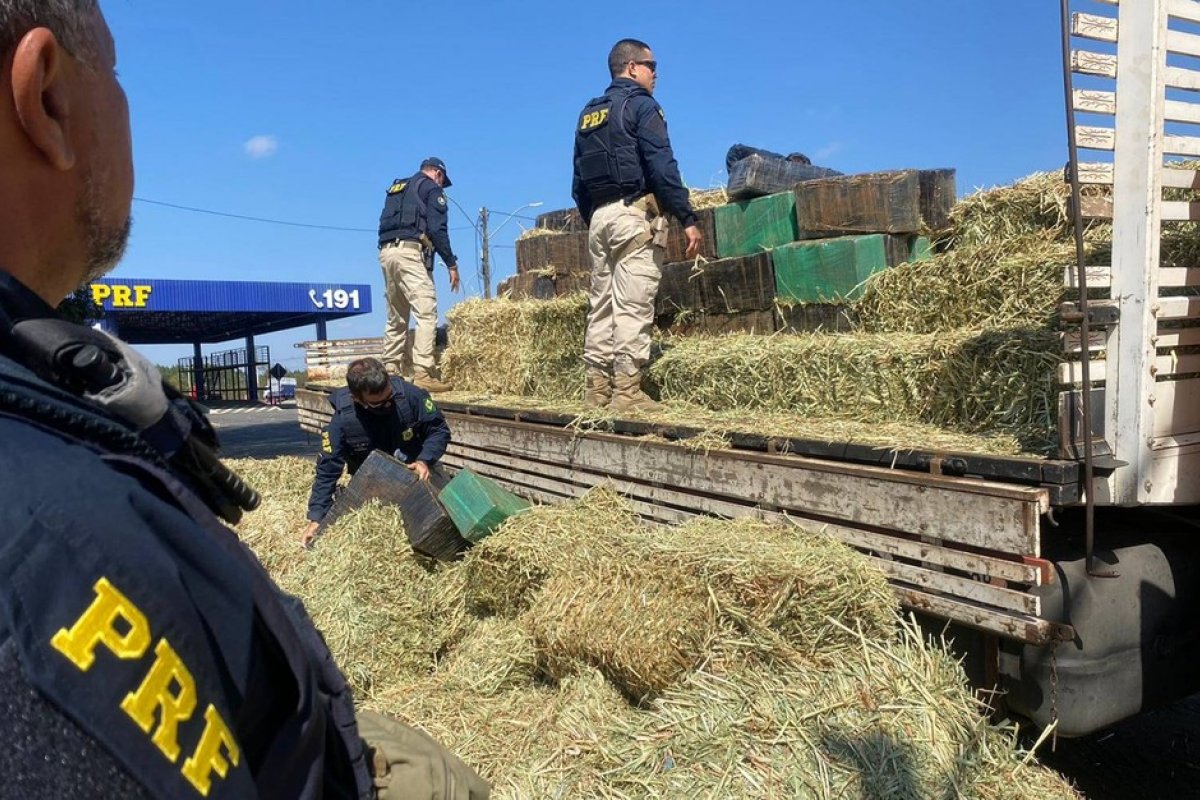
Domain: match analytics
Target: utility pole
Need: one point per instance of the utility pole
(486, 264)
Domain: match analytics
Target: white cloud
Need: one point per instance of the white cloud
(831, 149)
(262, 146)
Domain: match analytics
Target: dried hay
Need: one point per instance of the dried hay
(531, 233)
(385, 613)
(716, 426)
(497, 654)
(788, 581)
(999, 381)
(1016, 283)
(273, 530)
(523, 347)
(643, 630)
(707, 198)
(1037, 205)
(507, 569)
(801, 689)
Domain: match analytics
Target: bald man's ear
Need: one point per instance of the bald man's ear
(41, 96)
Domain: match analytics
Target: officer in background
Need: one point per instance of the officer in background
(374, 412)
(625, 179)
(412, 227)
(144, 652)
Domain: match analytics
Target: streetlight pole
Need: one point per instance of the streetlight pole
(486, 265)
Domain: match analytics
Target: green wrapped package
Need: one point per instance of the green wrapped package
(478, 505)
(828, 270)
(752, 226)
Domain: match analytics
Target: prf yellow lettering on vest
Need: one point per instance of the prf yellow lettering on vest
(167, 694)
(98, 625)
(208, 759)
(593, 120)
(155, 693)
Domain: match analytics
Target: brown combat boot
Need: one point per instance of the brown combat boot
(628, 394)
(423, 380)
(599, 391)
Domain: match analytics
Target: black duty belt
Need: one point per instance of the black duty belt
(398, 242)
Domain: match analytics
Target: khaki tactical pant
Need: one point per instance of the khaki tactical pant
(409, 289)
(626, 269)
(407, 764)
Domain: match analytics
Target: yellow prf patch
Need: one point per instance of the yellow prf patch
(328, 448)
(593, 120)
(407, 435)
(397, 187)
(166, 696)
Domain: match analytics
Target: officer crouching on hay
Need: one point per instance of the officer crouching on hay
(375, 412)
(625, 179)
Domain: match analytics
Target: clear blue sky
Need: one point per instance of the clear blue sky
(306, 112)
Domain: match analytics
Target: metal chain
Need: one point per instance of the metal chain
(1054, 695)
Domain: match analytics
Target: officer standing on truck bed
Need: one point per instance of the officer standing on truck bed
(412, 227)
(625, 180)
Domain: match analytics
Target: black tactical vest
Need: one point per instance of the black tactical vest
(403, 214)
(607, 160)
(357, 442)
(312, 748)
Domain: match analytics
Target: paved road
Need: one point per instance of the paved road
(1153, 757)
(262, 432)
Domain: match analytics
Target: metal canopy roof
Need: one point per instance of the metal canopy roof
(179, 312)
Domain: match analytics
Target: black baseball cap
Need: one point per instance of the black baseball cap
(437, 163)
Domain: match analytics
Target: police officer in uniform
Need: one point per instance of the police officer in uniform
(144, 652)
(412, 227)
(625, 180)
(375, 412)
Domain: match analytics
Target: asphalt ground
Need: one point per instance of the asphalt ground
(1155, 756)
(262, 432)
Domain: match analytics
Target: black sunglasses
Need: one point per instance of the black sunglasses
(650, 65)
(384, 403)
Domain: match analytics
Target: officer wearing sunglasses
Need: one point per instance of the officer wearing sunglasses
(375, 411)
(625, 182)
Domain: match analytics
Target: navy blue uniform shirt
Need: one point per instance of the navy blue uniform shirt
(412, 425)
(644, 121)
(414, 207)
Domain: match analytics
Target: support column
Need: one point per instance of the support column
(198, 370)
(322, 331)
(109, 324)
(251, 370)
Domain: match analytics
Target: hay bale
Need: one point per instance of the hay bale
(789, 581)
(1019, 282)
(642, 630)
(506, 570)
(897, 720)
(949, 379)
(482, 356)
(518, 347)
(702, 199)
